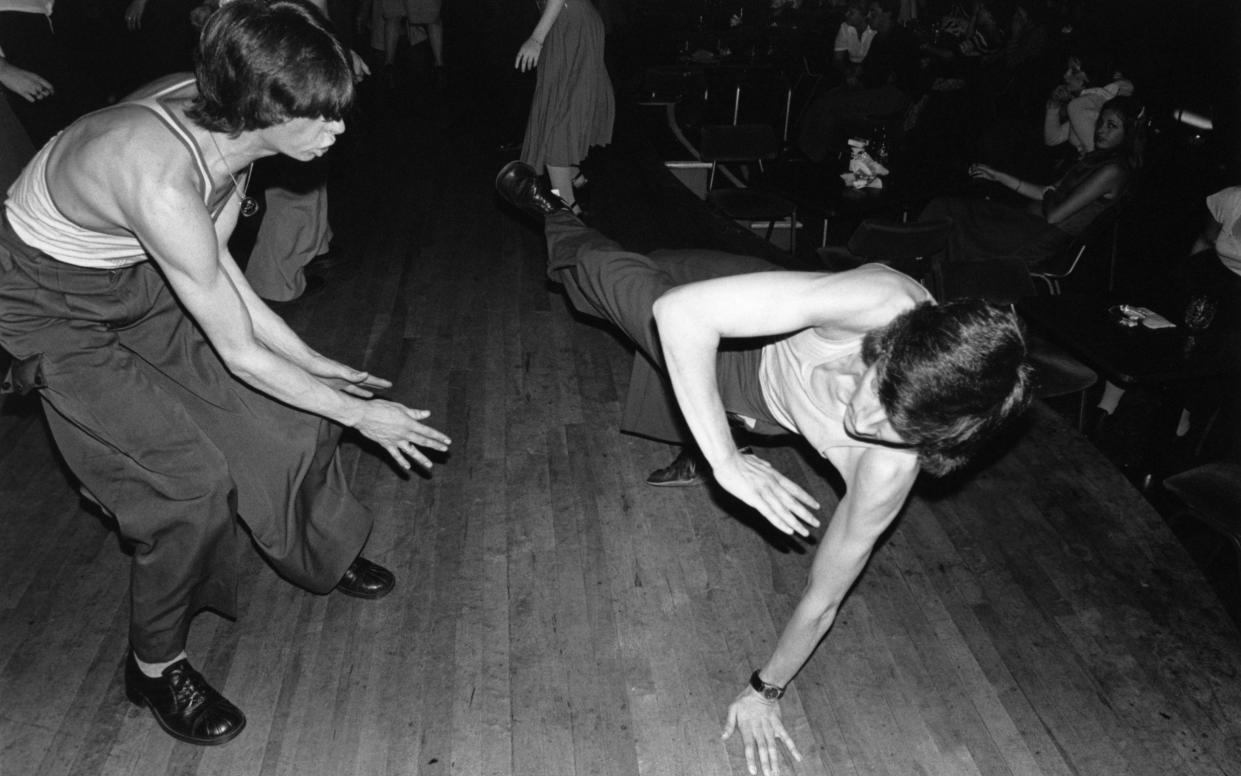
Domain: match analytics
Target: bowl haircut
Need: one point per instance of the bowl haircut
(260, 63)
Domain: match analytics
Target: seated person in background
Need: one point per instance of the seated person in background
(880, 89)
(1210, 274)
(863, 364)
(1218, 250)
(986, 230)
(853, 39)
(971, 40)
(1073, 107)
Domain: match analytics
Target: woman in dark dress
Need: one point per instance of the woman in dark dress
(987, 230)
(573, 107)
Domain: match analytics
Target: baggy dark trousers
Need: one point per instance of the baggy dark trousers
(605, 281)
(172, 445)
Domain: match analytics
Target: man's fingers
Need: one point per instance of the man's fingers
(731, 724)
(788, 743)
(394, 453)
(414, 454)
(749, 758)
(429, 437)
(765, 757)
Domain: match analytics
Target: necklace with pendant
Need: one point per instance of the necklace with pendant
(249, 206)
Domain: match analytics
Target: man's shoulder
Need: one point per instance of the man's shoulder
(885, 284)
(877, 292)
(171, 86)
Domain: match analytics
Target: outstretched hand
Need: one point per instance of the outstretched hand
(760, 726)
(757, 483)
(399, 431)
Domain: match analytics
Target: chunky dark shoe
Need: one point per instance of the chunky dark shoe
(364, 579)
(685, 470)
(184, 705)
(522, 187)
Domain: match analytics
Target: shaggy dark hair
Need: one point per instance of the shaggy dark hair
(260, 63)
(950, 376)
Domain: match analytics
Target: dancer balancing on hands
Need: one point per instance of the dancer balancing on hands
(179, 400)
(877, 377)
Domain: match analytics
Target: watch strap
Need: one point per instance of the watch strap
(770, 692)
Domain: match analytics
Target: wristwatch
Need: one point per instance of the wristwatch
(770, 692)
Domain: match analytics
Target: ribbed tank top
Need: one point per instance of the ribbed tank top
(808, 381)
(34, 217)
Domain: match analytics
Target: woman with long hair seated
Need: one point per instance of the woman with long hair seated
(1036, 230)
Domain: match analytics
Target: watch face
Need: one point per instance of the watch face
(772, 693)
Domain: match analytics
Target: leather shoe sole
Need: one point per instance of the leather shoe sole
(364, 579)
(184, 705)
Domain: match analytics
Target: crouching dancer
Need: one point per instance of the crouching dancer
(863, 364)
(180, 401)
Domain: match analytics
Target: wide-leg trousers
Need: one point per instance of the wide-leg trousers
(164, 438)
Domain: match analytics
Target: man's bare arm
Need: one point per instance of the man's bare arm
(877, 489)
(172, 223)
(693, 318)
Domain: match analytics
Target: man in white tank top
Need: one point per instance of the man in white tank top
(118, 225)
(863, 364)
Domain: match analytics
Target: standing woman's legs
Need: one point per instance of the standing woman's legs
(435, 37)
(562, 182)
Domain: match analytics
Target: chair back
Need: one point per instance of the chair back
(1096, 243)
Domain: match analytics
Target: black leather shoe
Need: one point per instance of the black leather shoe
(521, 186)
(364, 579)
(184, 705)
(685, 470)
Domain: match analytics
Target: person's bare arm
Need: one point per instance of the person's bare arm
(692, 320)
(1104, 181)
(876, 490)
(168, 217)
(272, 331)
(528, 54)
(1031, 191)
(1055, 128)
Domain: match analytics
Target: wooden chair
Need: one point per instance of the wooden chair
(748, 146)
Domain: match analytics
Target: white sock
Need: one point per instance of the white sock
(156, 670)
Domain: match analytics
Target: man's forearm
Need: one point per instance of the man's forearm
(803, 632)
(282, 379)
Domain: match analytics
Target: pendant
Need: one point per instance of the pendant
(249, 206)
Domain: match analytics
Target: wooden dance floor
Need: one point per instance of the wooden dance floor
(554, 616)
